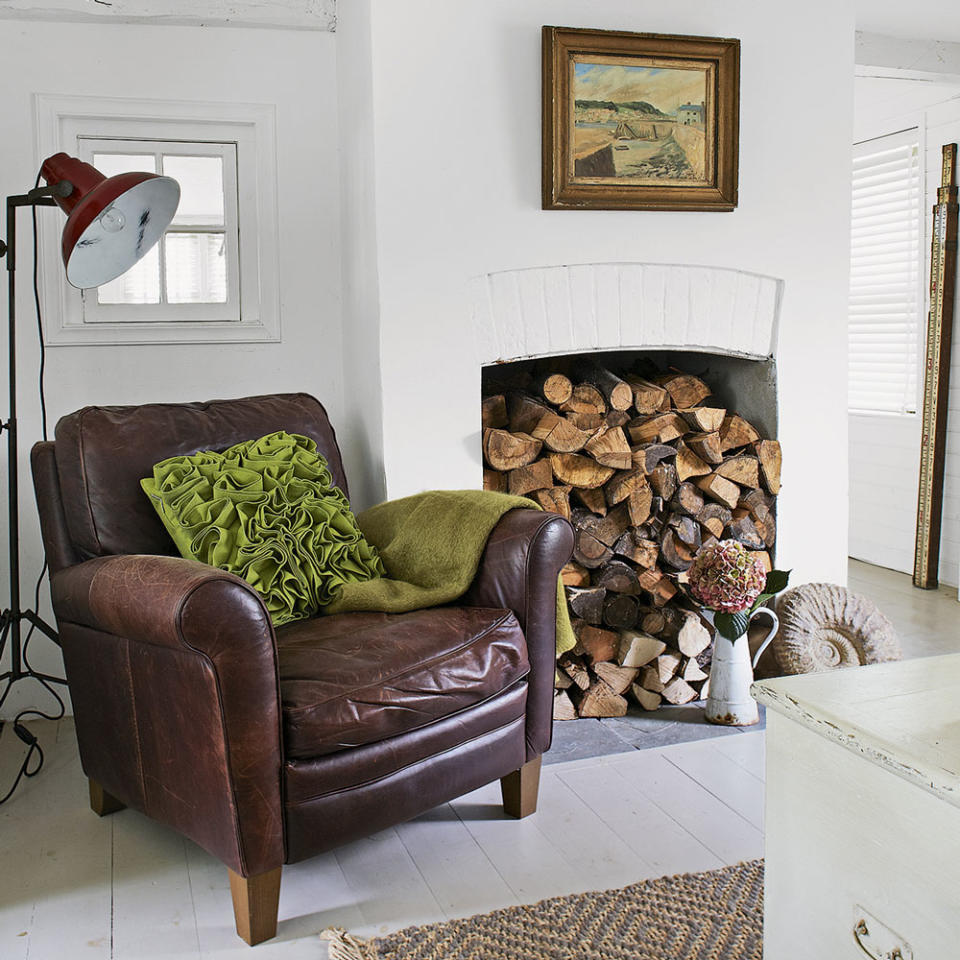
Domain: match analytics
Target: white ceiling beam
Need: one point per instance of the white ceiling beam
(284, 14)
(878, 55)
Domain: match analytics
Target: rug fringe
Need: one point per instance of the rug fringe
(343, 946)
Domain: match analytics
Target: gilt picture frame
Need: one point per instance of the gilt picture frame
(639, 121)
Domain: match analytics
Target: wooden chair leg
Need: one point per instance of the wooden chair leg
(519, 789)
(103, 803)
(256, 901)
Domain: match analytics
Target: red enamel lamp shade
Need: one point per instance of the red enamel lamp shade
(111, 221)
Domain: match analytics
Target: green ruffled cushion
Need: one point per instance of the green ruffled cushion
(266, 510)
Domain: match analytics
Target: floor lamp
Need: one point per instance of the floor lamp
(111, 223)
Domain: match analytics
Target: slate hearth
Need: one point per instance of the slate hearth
(638, 730)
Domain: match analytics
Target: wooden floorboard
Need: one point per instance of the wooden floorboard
(153, 911)
(583, 836)
(722, 830)
(747, 751)
(722, 776)
(57, 859)
(926, 620)
(527, 858)
(653, 842)
(454, 866)
(387, 887)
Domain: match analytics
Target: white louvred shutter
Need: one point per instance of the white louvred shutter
(886, 298)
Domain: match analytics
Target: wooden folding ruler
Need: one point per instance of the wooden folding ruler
(943, 271)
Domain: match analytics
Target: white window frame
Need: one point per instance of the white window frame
(913, 130)
(96, 312)
(65, 123)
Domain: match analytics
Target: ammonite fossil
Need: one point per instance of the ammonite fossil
(823, 627)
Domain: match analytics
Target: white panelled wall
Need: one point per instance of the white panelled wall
(885, 449)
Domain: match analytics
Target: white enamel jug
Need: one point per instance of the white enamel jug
(731, 673)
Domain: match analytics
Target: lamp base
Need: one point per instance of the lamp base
(10, 631)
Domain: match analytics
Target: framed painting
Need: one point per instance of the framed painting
(639, 121)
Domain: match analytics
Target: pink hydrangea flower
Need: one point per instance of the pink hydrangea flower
(724, 577)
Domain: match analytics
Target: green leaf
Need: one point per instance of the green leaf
(777, 580)
(731, 625)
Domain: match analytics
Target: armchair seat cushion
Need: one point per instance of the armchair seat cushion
(359, 678)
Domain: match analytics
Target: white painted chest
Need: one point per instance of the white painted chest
(863, 813)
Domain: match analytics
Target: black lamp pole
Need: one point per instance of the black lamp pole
(12, 618)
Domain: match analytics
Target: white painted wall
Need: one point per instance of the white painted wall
(456, 110)
(884, 104)
(295, 71)
(885, 450)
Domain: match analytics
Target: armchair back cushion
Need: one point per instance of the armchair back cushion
(103, 452)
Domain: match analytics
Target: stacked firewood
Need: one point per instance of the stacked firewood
(648, 470)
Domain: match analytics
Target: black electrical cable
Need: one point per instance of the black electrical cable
(34, 749)
(36, 305)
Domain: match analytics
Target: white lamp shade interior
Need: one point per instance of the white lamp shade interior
(123, 233)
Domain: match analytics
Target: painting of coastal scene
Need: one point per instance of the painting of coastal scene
(641, 124)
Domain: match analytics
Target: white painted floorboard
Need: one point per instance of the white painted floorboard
(123, 887)
(727, 780)
(723, 831)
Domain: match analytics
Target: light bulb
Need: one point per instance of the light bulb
(112, 220)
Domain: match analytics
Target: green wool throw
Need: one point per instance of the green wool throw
(266, 510)
(431, 545)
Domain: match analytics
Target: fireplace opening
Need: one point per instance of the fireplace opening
(651, 454)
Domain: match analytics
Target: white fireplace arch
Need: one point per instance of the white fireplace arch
(544, 311)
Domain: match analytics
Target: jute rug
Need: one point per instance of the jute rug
(696, 916)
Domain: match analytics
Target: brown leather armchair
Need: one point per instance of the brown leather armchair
(267, 747)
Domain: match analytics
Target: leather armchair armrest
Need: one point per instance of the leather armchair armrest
(182, 657)
(518, 571)
(166, 601)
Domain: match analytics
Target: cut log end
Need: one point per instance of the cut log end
(555, 388)
(600, 701)
(646, 698)
(507, 451)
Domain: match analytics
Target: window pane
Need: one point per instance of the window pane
(110, 164)
(201, 190)
(196, 267)
(140, 284)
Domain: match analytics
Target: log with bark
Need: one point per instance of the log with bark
(585, 398)
(494, 411)
(617, 392)
(647, 397)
